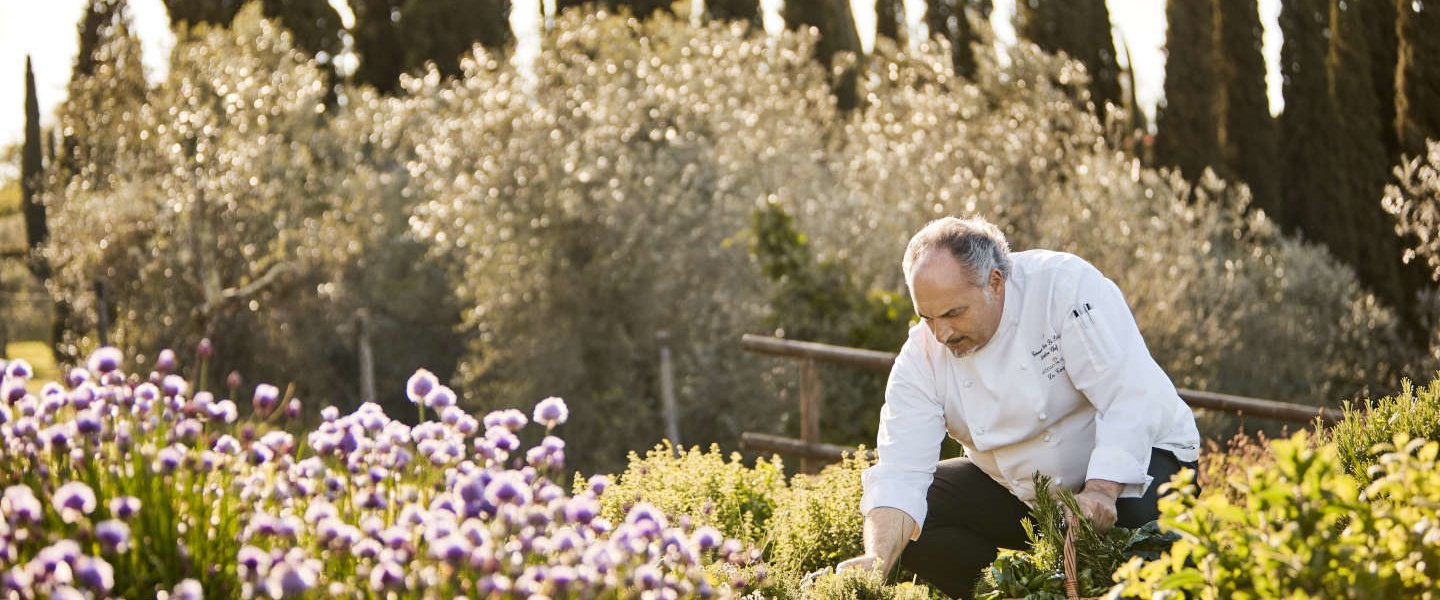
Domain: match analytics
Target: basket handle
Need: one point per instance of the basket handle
(1072, 585)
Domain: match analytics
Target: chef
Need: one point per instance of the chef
(1034, 363)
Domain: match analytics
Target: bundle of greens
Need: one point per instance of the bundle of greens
(1038, 574)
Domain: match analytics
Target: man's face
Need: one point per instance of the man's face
(956, 310)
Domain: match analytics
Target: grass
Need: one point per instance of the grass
(37, 353)
(10, 198)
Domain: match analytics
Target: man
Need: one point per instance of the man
(1034, 363)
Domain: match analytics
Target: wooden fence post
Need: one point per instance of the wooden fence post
(102, 316)
(367, 356)
(810, 406)
(667, 390)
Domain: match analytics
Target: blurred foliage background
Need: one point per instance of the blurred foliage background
(524, 214)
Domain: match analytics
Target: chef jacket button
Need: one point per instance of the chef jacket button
(980, 430)
(1048, 437)
(968, 384)
(1043, 415)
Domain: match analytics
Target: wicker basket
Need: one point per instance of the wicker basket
(1072, 585)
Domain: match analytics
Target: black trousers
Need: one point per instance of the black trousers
(971, 516)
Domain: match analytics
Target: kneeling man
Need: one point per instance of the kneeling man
(1034, 363)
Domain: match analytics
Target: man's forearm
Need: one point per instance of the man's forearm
(887, 530)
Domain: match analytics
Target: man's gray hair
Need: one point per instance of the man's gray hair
(978, 245)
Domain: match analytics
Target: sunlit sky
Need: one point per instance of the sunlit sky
(47, 31)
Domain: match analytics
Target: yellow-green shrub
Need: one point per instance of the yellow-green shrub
(1304, 528)
(706, 486)
(1412, 412)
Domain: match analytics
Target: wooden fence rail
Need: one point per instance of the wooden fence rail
(812, 452)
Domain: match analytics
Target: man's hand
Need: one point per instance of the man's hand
(868, 562)
(1097, 502)
(887, 530)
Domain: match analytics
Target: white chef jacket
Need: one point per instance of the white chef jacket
(1066, 387)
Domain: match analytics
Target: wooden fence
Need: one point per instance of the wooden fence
(812, 453)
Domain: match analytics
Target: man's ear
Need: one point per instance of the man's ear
(997, 281)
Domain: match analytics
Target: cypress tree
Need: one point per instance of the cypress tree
(1417, 78)
(949, 19)
(735, 10)
(379, 47)
(1364, 159)
(440, 31)
(837, 34)
(890, 18)
(1311, 200)
(1379, 23)
(1188, 132)
(31, 169)
(315, 25)
(1081, 29)
(1248, 137)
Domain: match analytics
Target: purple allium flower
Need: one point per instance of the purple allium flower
(581, 509)
(394, 537)
(551, 412)
(52, 391)
(5, 415)
(329, 414)
(265, 397)
(17, 580)
(420, 385)
(65, 592)
(188, 589)
(508, 418)
(450, 415)
(320, 510)
(253, 559)
(279, 441)
(440, 398)
(20, 504)
(114, 535)
(288, 579)
(260, 454)
(227, 444)
(494, 585)
(167, 460)
(508, 488)
(174, 385)
(19, 369)
(105, 359)
(12, 390)
(124, 507)
(648, 577)
(223, 411)
(56, 438)
(598, 484)
(386, 575)
(451, 549)
(74, 497)
(94, 573)
(707, 538)
(562, 576)
(188, 430)
(292, 408)
(87, 422)
(76, 376)
(83, 395)
(502, 439)
(147, 392)
(233, 381)
(205, 349)
(367, 548)
(165, 362)
(467, 425)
